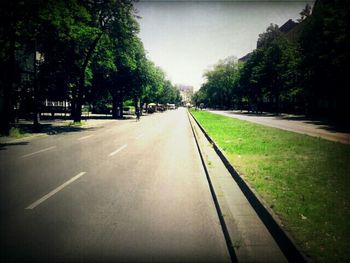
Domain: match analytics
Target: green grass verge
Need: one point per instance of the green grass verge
(77, 124)
(304, 179)
(15, 133)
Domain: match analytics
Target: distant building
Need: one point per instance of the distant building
(290, 28)
(186, 93)
(246, 57)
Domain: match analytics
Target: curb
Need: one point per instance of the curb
(225, 231)
(284, 241)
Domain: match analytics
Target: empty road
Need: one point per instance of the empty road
(129, 191)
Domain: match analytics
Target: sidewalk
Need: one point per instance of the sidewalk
(251, 240)
(292, 123)
(60, 125)
(54, 126)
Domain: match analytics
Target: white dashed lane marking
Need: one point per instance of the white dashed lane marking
(47, 196)
(40, 151)
(118, 150)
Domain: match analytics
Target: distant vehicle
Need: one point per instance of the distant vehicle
(53, 107)
(151, 107)
(160, 107)
(171, 106)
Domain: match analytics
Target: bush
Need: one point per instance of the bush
(15, 132)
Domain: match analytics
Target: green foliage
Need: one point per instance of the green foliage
(325, 64)
(220, 88)
(302, 71)
(90, 54)
(169, 94)
(15, 132)
(272, 32)
(304, 179)
(77, 124)
(306, 12)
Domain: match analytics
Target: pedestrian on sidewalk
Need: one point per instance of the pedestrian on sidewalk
(138, 113)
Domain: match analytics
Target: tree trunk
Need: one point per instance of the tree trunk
(81, 84)
(277, 109)
(79, 97)
(121, 107)
(77, 110)
(73, 103)
(117, 110)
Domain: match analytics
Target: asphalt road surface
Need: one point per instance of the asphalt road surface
(129, 191)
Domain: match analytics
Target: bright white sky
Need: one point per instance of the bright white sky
(185, 38)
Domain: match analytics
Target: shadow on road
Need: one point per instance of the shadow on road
(326, 124)
(50, 129)
(3, 146)
(250, 113)
(86, 118)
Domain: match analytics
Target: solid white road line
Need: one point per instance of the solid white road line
(47, 196)
(85, 137)
(118, 150)
(40, 151)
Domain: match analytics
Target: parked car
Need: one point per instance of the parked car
(161, 107)
(171, 106)
(151, 107)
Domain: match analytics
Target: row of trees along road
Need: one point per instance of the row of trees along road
(82, 51)
(302, 71)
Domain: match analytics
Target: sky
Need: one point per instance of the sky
(186, 38)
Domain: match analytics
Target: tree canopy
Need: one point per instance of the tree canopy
(80, 51)
(301, 71)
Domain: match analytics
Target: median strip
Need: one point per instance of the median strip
(40, 151)
(247, 237)
(47, 196)
(302, 178)
(118, 150)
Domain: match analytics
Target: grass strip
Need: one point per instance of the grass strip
(304, 179)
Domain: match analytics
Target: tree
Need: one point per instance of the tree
(126, 84)
(272, 32)
(200, 97)
(251, 81)
(325, 65)
(114, 18)
(90, 50)
(306, 12)
(220, 87)
(66, 30)
(18, 32)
